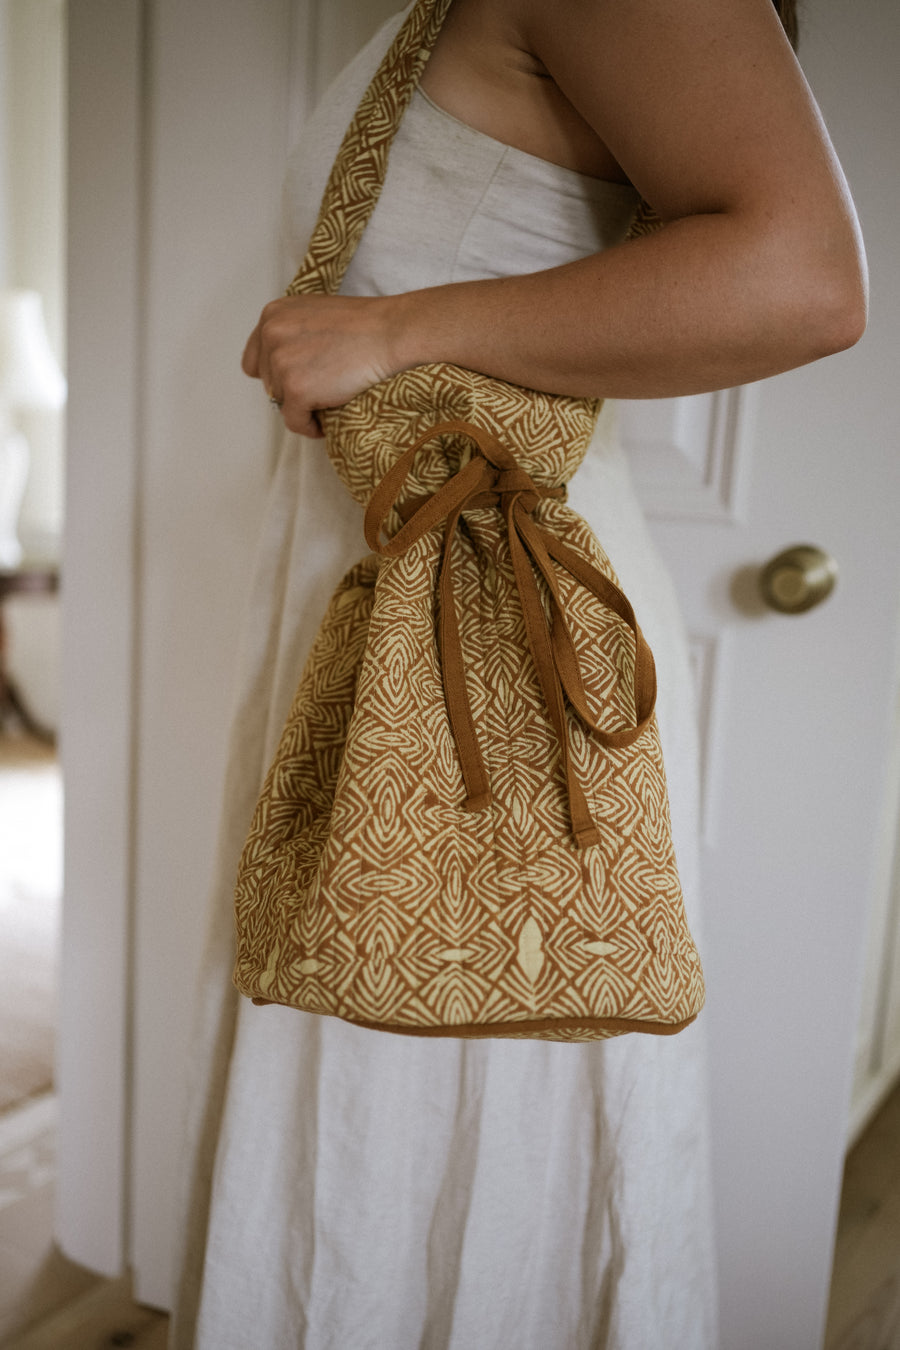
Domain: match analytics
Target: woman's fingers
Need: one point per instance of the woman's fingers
(303, 421)
(252, 365)
(256, 361)
(318, 351)
(250, 358)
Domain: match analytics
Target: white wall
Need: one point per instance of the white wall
(4, 164)
(178, 127)
(174, 246)
(212, 190)
(99, 627)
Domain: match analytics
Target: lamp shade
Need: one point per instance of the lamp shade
(30, 376)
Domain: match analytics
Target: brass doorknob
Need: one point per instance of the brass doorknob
(798, 579)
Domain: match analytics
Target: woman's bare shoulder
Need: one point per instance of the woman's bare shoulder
(485, 72)
(686, 98)
(690, 96)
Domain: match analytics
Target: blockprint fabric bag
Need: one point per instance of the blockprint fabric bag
(465, 830)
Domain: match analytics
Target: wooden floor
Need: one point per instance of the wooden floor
(46, 1301)
(864, 1312)
(105, 1316)
(60, 1306)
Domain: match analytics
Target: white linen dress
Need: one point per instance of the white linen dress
(348, 1189)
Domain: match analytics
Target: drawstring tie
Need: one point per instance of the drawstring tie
(491, 477)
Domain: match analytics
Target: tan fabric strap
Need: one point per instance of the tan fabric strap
(492, 478)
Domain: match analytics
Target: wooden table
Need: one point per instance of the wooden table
(28, 579)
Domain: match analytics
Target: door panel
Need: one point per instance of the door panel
(798, 714)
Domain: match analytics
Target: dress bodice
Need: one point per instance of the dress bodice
(458, 205)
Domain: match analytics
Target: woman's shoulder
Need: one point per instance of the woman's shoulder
(487, 71)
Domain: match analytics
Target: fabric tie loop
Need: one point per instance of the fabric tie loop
(492, 478)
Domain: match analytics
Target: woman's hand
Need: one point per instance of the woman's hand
(318, 351)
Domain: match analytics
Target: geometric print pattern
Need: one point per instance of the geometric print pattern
(366, 889)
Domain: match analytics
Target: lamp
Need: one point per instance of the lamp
(30, 379)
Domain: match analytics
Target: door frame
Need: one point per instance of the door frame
(125, 189)
(99, 621)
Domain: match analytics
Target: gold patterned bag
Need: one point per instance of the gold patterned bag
(465, 830)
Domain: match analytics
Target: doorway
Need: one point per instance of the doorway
(32, 310)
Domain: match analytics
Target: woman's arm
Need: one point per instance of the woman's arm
(759, 266)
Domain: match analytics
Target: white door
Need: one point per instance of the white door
(798, 714)
(797, 721)
(796, 709)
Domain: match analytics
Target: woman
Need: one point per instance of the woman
(702, 108)
(374, 1191)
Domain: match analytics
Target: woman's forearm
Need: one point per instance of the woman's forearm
(758, 269)
(706, 303)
